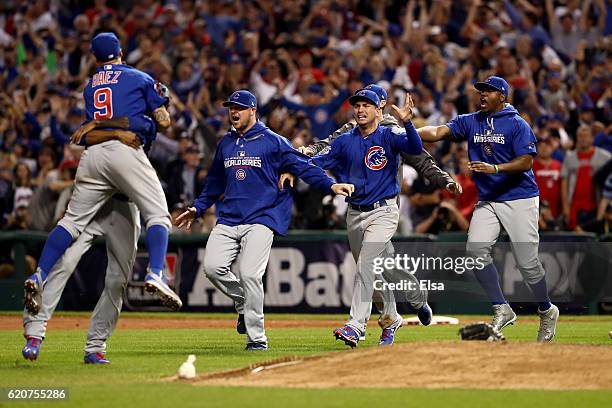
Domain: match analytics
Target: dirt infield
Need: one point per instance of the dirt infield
(61, 322)
(475, 365)
(14, 322)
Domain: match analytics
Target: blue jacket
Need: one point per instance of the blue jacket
(246, 170)
(370, 163)
(497, 139)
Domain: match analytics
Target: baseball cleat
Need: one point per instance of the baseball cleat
(240, 325)
(388, 334)
(95, 358)
(348, 335)
(155, 283)
(256, 345)
(425, 314)
(32, 348)
(503, 315)
(33, 287)
(548, 324)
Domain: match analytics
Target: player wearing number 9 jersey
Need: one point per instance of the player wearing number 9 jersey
(115, 90)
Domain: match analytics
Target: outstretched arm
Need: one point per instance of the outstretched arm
(434, 133)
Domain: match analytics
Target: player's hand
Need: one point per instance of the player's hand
(128, 138)
(454, 188)
(343, 189)
(482, 167)
(82, 131)
(406, 112)
(186, 218)
(283, 178)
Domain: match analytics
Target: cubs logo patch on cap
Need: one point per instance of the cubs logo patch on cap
(365, 95)
(494, 83)
(242, 98)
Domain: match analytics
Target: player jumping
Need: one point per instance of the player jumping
(115, 90)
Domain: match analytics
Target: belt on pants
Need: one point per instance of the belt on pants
(372, 207)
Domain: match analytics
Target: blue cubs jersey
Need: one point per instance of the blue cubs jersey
(497, 139)
(117, 90)
(246, 170)
(370, 163)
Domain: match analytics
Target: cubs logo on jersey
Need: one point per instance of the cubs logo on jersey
(240, 174)
(375, 158)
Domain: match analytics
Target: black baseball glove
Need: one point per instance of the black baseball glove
(480, 331)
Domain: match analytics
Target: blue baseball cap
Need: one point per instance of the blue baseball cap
(241, 98)
(493, 83)
(379, 90)
(365, 95)
(105, 46)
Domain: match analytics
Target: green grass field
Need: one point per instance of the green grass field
(141, 358)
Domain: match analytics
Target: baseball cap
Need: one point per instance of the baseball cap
(241, 98)
(495, 83)
(378, 90)
(365, 95)
(105, 46)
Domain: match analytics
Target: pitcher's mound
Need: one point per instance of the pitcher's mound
(436, 365)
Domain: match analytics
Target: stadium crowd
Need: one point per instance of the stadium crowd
(302, 59)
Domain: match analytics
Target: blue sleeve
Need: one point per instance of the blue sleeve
(524, 140)
(300, 165)
(58, 136)
(152, 98)
(329, 159)
(292, 106)
(410, 142)
(459, 128)
(214, 185)
(30, 119)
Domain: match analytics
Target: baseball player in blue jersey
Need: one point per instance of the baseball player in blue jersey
(245, 170)
(368, 156)
(501, 146)
(119, 221)
(115, 90)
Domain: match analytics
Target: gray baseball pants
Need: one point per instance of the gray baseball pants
(369, 235)
(119, 221)
(112, 167)
(253, 242)
(520, 220)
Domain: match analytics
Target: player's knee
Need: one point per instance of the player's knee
(532, 274)
(480, 251)
(213, 268)
(163, 221)
(72, 228)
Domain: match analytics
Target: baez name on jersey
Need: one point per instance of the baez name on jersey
(489, 138)
(105, 78)
(242, 161)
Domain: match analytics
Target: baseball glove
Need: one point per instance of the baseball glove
(480, 331)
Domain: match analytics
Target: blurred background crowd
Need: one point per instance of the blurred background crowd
(302, 59)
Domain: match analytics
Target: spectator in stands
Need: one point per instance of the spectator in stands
(187, 174)
(547, 173)
(578, 191)
(560, 75)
